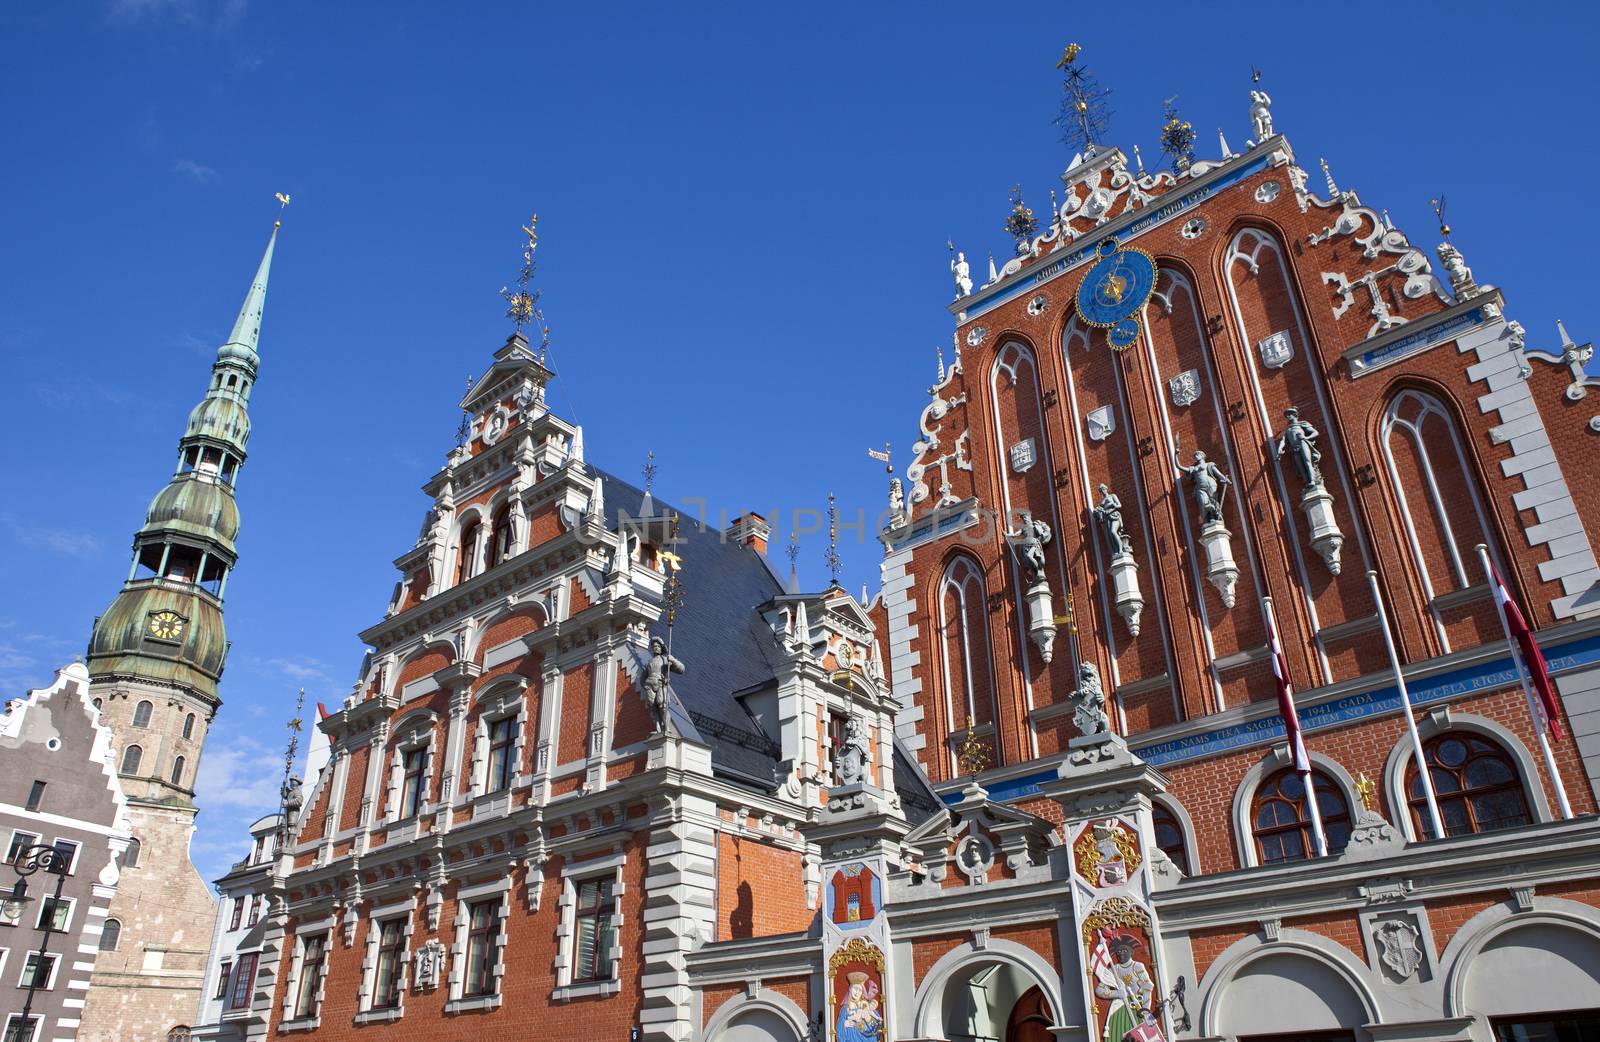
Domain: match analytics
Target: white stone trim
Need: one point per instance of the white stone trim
(456, 982)
(1302, 943)
(1245, 795)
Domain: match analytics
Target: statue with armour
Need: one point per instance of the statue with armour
(1298, 442)
(1209, 485)
(1030, 548)
(657, 680)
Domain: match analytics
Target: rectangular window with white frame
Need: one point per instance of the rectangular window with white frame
(67, 850)
(385, 966)
(57, 912)
(307, 975)
(589, 952)
(20, 841)
(477, 957)
(19, 1029)
(244, 979)
(39, 971)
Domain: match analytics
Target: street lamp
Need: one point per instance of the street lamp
(39, 857)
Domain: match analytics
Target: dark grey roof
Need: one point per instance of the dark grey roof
(718, 635)
(917, 797)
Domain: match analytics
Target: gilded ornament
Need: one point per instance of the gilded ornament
(1088, 854)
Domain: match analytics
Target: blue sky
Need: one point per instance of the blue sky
(743, 212)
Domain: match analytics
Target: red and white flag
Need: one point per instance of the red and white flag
(1542, 702)
(1291, 719)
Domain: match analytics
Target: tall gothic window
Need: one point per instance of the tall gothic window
(413, 778)
(110, 934)
(502, 745)
(141, 714)
(130, 759)
(188, 726)
(469, 543)
(501, 536)
(1477, 784)
(964, 632)
(1282, 819)
(177, 771)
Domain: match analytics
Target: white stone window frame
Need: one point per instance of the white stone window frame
(573, 874)
(72, 907)
(12, 839)
(415, 731)
(1244, 798)
(3, 953)
(55, 968)
(1180, 814)
(1390, 425)
(297, 967)
(406, 911)
(467, 896)
(1439, 721)
(13, 1019)
(77, 852)
(502, 700)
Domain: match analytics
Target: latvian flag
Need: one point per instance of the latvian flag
(1291, 719)
(1542, 701)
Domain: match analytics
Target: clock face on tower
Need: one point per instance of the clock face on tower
(166, 625)
(1113, 291)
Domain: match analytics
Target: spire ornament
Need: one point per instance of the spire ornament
(649, 471)
(522, 305)
(1021, 224)
(290, 799)
(831, 557)
(792, 552)
(1177, 136)
(1084, 114)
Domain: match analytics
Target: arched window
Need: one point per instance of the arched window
(180, 1033)
(1477, 784)
(1281, 819)
(469, 543)
(97, 703)
(130, 857)
(502, 536)
(141, 714)
(110, 934)
(1433, 487)
(1169, 835)
(177, 771)
(130, 759)
(188, 726)
(964, 630)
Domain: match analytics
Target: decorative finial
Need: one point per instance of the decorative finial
(466, 420)
(832, 556)
(522, 307)
(1177, 136)
(673, 595)
(649, 470)
(1366, 788)
(1084, 114)
(283, 203)
(1438, 211)
(289, 791)
(972, 753)
(1255, 74)
(882, 457)
(792, 551)
(1222, 142)
(1333, 189)
(939, 349)
(1138, 159)
(1021, 224)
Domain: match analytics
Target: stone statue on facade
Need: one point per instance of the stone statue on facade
(293, 799)
(1030, 548)
(1089, 702)
(1261, 114)
(897, 503)
(657, 681)
(854, 754)
(1298, 442)
(962, 271)
(1209, 485)
(1460, 275)
(1108, 515)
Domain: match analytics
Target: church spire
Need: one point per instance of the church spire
(247, 327)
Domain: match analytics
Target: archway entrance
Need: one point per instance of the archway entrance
(993, 1001)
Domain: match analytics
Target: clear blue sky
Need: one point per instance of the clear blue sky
(744, 210)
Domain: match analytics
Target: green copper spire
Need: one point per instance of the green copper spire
(165, 627)
(247, 327)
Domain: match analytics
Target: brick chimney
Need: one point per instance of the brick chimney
(751, 530)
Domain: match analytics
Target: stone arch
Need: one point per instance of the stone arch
(967, 670)
(1244, 796)
(503, 626)
(1302, 981)
(1558, 928)
(766, 1016)
(1439, 721)
(960, 963)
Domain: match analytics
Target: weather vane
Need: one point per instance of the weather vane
(882, 457)
(288, 792)
(1177, 136)
(522, 306)
(1438, 211)
(465, 429)
(793, 553)
(832, 556)
(649, 470)
(1084, 114)
(283, 202)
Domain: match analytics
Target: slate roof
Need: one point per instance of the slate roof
(726, 648)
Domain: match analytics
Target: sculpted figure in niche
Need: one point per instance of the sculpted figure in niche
(1108, 515)
(656, 681)
(1299, 442)
(854, 754)
(1209, 485)
(1030, 548)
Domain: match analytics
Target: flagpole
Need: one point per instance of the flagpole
(1540, 725)
(1291, 726)
(1423, 770)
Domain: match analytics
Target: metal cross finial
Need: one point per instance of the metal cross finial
(649, 470)
(1438, 211)
(832, 556)
(466, 416)
(522, 306)
(793, 553)
(1084, 115)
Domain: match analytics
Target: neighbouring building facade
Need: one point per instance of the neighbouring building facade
(1040, 788)
(155, 658)
(59, 790)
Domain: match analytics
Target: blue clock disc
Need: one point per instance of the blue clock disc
(1123, 334)
(1116, 287)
